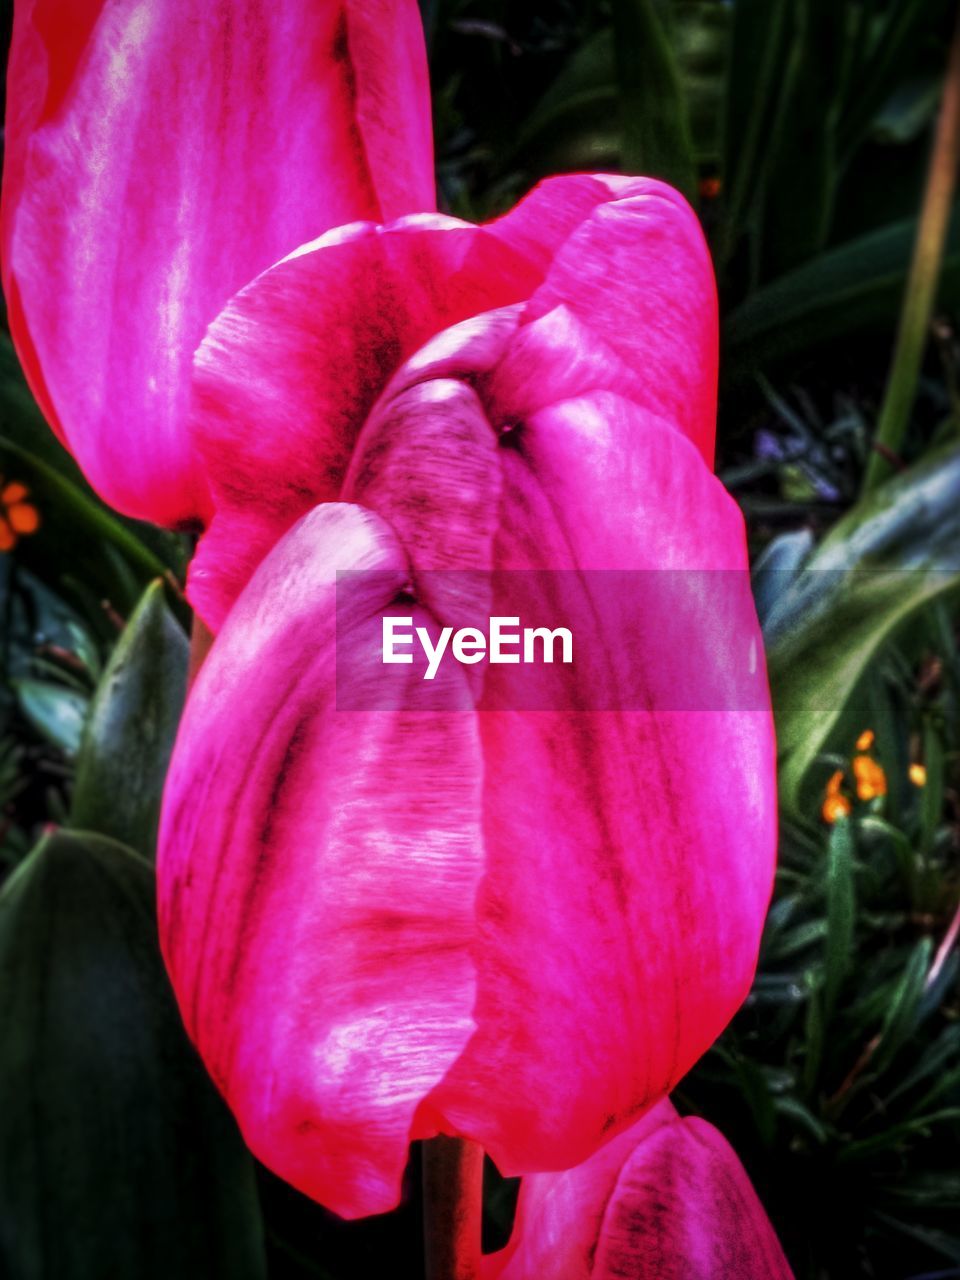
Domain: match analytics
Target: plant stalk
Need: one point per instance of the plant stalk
(922, 280)
(452, 1208)
(200, 641)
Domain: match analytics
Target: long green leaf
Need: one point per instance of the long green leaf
(131, 727)
(582, 98)
(897, 1134)
(841, 914)
(656, 128)
(700, 35)
(117, 1157)
(755, 79)
(799, 191)
(877, 78)
(854, 289)
(905, 1007)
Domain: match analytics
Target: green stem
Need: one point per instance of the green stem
(200, 641)
(88, 512)
(452, 1208)
(922, 281)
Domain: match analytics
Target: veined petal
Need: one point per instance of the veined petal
(637, 273)
(641, 841)
(649, 777)
(318, 872)
(296, 361)
(667, 1200)
(158, 157)
(545, 218)
(288, 374)
(640, 837)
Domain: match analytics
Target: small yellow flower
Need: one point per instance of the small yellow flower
(866, 740)
(917, 775)
(835, 804)
(18, 517)
(870, 777)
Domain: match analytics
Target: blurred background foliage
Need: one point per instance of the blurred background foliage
(801, 131)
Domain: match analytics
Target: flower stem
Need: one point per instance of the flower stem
(452, 1207)
(200, 641)
(922, 280)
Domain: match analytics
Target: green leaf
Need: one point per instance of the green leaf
(903, 850)
(887, 558)
(776, 567)
(841, 914)
(759, 50)
(931, 796)
(700, 35)
(909, 111)
(36, 618)
(756, 1092)
(803, 1118)
(580, 104)
(881, 69)
(897, 1134)
(905, 1007)
(854, 289)
(930, 1238)
(656, 128)
(55, 711)
(799, 190)
(937, 1061)
(814, 1037)
(117, 1157)
(131, 728)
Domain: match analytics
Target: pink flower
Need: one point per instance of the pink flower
(667, 1200)
(158, 156)
(445, 913)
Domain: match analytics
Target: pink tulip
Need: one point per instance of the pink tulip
(437, 912)
(288, 373)
(160, 155)
(666, 1200)
(447, 913)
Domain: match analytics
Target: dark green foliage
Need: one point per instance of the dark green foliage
(849, 292)
(655, 130)
(839, 1082)
(131, 727)
(800, 131)
(888, 558)
(117, 1157)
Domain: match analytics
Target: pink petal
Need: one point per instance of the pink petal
(290, 370)
(543, 220)
(158, 157)
(639, 839)
(641, 842)
(637, 273)
(667, 1200)
(318, 871)
(309, 346)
